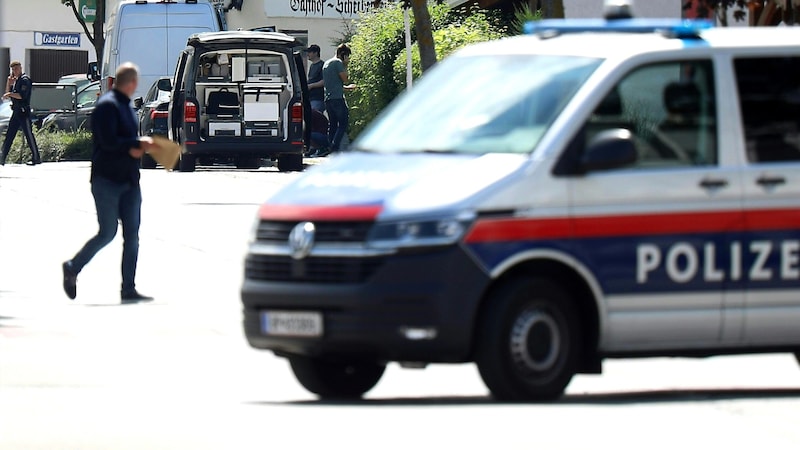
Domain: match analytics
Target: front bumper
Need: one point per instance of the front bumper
(432, 290)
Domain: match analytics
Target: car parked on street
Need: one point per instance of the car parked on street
(5, 115)
(80, 80)
(80, 117)
(153, 113)
(238, 96)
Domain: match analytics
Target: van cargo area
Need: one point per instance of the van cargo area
(243, 94)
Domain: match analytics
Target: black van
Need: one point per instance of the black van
(238, 96)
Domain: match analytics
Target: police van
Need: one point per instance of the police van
(594, 189)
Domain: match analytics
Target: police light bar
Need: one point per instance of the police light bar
(671, 27)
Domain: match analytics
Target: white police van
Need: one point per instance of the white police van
(595, 189)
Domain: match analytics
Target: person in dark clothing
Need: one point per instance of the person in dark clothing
(334, 74)
(316, 89)
(115, 182)
(19, 87)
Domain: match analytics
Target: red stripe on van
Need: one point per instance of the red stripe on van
(323, 213)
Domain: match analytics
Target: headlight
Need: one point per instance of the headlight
(420, 233)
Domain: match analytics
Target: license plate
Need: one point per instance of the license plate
(291, 323)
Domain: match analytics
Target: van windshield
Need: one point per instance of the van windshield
(480, 104)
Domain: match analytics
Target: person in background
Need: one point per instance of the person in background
(115, 182)
(316, 90)
(18, 89)
(334, 74)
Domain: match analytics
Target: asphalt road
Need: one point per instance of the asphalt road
(178, 374)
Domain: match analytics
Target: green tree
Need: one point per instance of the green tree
(422, 25)
(96, 35)
(379, 43)
(472, 29)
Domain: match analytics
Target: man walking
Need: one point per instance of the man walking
(316, 91)
(334, 75)
(115, 182)
(19, 87)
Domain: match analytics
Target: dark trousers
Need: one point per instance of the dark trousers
(115, 202)
(338, 120)
(17, 121)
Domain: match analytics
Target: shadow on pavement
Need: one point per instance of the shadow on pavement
(614, 398)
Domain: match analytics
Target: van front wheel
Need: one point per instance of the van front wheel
(336, 379)
(529, 343)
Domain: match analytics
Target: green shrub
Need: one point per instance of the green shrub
(379, 43)
(472, 29)
(53, 146)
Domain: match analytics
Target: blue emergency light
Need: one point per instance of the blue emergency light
(682, 29)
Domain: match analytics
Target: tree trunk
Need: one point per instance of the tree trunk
(99, 40)
(422, 25)
(551, 9)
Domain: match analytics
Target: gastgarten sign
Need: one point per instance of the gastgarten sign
(43, 38)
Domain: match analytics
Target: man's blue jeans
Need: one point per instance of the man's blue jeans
(115, 202)
(338, 120)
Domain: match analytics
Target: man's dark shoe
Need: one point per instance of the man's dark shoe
(32, 163)
(134, 297)
(70, 280)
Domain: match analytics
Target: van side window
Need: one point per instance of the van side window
(769, 96)
(670, 110)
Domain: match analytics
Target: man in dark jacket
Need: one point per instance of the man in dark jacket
(115, 182)
(19, 89)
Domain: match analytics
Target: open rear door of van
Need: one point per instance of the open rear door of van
(298, 59)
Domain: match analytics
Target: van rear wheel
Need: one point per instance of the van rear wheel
(336, 378)
(187, 163)
(529, 341)
(290, 163)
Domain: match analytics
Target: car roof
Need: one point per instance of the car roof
(73, 77)
(243, 36)
(617, 44)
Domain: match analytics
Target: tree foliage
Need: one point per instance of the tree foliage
(379, 43)
(95, 36)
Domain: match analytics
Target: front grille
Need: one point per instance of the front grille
(277, 232)
(314, 269)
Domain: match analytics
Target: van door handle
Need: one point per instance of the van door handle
(713, 183)
(768, 181)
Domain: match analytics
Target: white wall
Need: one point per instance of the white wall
(19, 19)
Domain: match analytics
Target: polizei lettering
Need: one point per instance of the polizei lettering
(754, 261)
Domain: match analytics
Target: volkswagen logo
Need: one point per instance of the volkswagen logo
(301, 239)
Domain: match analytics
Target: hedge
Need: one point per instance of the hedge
(53, 146)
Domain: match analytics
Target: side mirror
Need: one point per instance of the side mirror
(165, 85)
(137, 103)
(92, 73)
(610, 149)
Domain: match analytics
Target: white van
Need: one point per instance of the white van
(151, 34)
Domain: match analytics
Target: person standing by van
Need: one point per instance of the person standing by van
(316, 90)
(115, 182)
(334, 75)
(19, 88)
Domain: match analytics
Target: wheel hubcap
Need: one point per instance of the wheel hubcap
(535, 341)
